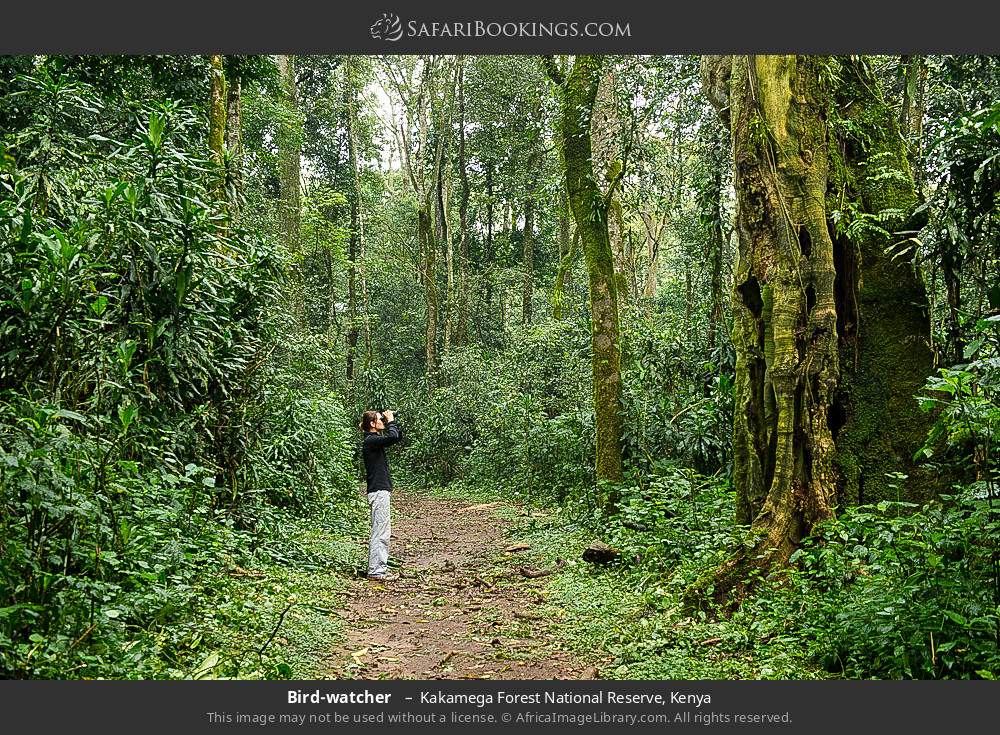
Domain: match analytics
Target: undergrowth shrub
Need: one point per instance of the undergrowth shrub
(153, 428)
(894, 591)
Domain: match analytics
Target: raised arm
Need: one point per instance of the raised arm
(393, 433)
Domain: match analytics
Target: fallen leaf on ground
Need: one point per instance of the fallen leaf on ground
(358, 654)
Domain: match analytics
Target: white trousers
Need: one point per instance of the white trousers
(378, 545)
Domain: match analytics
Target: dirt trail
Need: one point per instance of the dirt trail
(460, 609)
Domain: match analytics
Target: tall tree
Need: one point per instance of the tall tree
(606, 132)
(425, 88)
(710, 190)
(577, 87)
(234, 142)
(217, 120)
(567, 254)
(444, 209)
(356, 241)
(653, 225)
(814, 341)
(461, 333)
(911, 112)
(290, 169)
(533, 163)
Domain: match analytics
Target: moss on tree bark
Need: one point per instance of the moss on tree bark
(578, 91)
(828, 329)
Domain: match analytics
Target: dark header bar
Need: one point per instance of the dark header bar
(514, 26)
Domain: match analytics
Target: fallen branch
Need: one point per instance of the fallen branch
(87, 632)
(536, 573)
(281, 619)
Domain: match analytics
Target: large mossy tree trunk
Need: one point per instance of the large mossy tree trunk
(882, 303)
(578, 91)
(827, 329)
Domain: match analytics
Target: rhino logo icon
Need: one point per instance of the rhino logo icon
(387, 28)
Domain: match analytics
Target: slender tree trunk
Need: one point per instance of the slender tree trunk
(528, 233)
(234, 144)
(433, 204)
(911, 114)
(567, 254)
(605, 131)
(654, 228)
(489, 254)
(579, 92)
(717, 244)
(356, 281)
(688, 293)
(450, 295)
(290, 173)
(428, 248)
(217, 122)
(331, 300)
(461, 336)
(527, 284)
(951, 268)
(444, 211)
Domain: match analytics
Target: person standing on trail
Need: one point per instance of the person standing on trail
(379, 487)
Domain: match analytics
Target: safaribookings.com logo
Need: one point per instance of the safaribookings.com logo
(390, 28)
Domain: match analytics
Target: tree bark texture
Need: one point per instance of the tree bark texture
(461, 330)
(217, 121)
(819, 349)
(290, 156)
(234, 144)
(356, 302)
(590, 210)
(882, 307)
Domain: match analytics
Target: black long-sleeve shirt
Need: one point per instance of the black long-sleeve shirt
(376, 467)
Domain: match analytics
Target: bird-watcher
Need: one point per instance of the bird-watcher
(380, 431)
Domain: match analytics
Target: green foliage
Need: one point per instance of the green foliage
(893, 591)
(676, 519)
(518, 419)
(151, 421)
(678, 399)
(668, 531)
